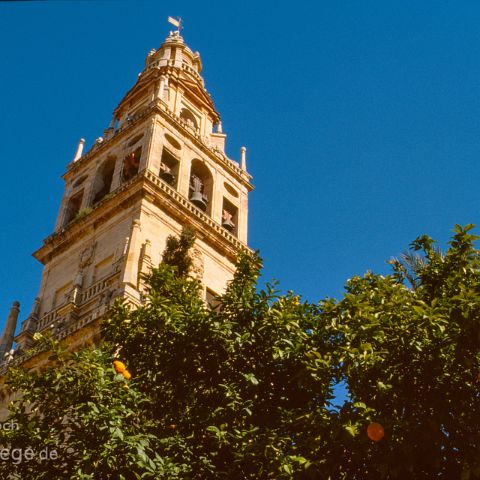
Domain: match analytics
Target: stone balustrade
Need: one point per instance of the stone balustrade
(59, 332)
(192, 72)
(193, 209)
(95, 289)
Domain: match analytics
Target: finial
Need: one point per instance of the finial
(177, 22)
(6, 341)
(243, 158)
(78, 153)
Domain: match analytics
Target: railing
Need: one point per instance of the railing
(48, 318)
(59, 335)
(192, 72)
(53, 317)
(193, 209)
(94, 290)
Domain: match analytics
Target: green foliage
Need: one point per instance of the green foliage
(245, 391)
(176, 251)
(85, 413)
(412, 356)
(246, 385)
(84, 212)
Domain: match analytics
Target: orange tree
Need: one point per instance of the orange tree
(78, 419)
(407, 347)
(238, 391)
(244, 389)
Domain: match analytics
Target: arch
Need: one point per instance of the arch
(131, 164)
(189, 118)
(103, 180)
(201, 186)
(230, 217)
(169, 167)
(73, 207)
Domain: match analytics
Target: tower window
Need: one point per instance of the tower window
(189, 118)
(169, 166)
(131, 163)
(73, 207)
(230, 217)
(201, 186)
(103, 180)
(211, 299)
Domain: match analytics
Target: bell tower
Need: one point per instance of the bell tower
(160, 165)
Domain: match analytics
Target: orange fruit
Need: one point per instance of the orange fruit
(119, 366)
(375, 431)
(127, 374)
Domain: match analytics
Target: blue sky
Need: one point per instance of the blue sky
(361, 119)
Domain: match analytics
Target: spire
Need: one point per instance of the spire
(6, 341)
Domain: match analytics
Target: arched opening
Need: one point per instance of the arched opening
(131, 163)
(189, 118)
(169, 166)
(230, 217)
(103, 180)
(73, 207)
(201, 186)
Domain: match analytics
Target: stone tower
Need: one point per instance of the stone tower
(160, 165)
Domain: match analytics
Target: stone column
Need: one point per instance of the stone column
(184, 176)
(178, 101)
(161, 89)
(130, 275)
(117, 173)
(77, 286)
(8, 334)
(145, 261)
(217, 197)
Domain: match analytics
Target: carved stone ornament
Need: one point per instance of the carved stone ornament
(197, 265)
(86, 256)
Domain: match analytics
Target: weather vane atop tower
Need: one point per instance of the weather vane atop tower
(177, 22)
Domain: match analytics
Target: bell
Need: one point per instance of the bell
(198, 200)
(228, 224)
(167, 177)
